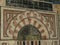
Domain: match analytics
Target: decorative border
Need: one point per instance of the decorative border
(18, 10)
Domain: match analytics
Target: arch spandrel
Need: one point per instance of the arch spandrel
(21, 20)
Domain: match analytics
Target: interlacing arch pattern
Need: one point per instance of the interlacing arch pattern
(31, 18)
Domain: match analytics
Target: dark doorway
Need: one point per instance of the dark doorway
(29, 32)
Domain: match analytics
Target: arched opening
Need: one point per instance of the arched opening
(29, 32)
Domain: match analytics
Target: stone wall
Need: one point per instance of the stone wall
(57, 10)
(13, 19)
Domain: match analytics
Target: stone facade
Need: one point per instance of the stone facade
(23, 26)
(2, 2)
(13, 19)
(57, 9)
